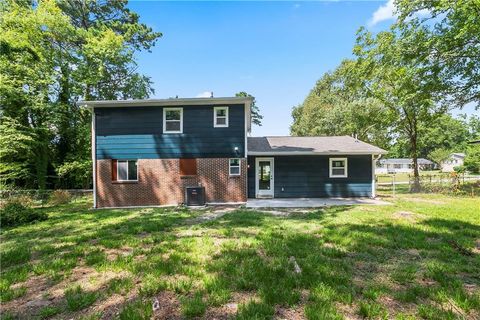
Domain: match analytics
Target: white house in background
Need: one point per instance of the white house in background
(402, 165)
(454, 160)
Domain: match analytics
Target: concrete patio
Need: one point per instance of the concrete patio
(311, 202)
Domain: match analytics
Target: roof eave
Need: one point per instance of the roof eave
(312, 153)
(164, 102)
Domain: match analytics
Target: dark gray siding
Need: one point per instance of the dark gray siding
(137, 133)
(308, 176)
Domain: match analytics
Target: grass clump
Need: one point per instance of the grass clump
(372, 310)
(78, 299)
(49, 311)
(120, 286)
(255, 310)
(136, 310)
(193, 306)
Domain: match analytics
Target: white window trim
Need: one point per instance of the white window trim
(215, 125)
(118, 174)
(331, 175)
(230, 167)
(165, 120)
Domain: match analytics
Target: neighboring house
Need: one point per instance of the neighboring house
(454, 160)
(398, 165)
(146, 152)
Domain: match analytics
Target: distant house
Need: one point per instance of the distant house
(396, 165)
(153, 152)
(454, 160)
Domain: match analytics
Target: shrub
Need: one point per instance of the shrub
(14, 213)
(60, 197)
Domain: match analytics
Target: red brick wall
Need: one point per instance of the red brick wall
(160, 183)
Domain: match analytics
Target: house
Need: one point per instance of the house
(405, 165)
(453, 160)
(147, 152)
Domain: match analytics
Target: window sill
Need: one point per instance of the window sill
(234, 176)
(125, 182)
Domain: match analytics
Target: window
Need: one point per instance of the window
(124, 170)
(220, 117)
(188, 167)
(234, 168)
(338, 168)
(172, 120)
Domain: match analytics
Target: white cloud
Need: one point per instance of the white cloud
(205, 94)
(387, 12)
(383, 13)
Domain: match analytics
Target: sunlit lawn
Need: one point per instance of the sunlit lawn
(417, 258)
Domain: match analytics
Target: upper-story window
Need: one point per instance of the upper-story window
(220, 117)
(172, 120)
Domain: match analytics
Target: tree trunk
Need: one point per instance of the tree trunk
(415, 186)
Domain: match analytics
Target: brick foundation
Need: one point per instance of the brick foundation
(159, 183)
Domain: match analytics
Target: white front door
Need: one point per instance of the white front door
(264, 177)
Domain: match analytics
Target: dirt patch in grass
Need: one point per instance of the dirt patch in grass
(42, 292)
(168, 306)
(407, 215)
(113, 254)
(423, 200)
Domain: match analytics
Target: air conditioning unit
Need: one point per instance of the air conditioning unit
(195, 196)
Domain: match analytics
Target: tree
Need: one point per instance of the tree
(403, 80)
(452, 44)
(255, 110)
(337, 107)
(54, 53)
(472, 159)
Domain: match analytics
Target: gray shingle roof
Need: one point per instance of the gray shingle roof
(310, 145)
(420, 161)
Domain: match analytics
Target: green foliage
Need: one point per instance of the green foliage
(451, 29)
(254, 109)
(14, 213)
(78, 173)
(52, 54)
(336, 106)
(472, 159)
(439, 155)
(78, 299)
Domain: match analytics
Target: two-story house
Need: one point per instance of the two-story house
(146, 152)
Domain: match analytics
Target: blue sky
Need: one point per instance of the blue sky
(275, 51)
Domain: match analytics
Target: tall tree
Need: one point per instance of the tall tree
(55, 53)
(452, 42)
(336, 106)
(255, 110)
(403, 80)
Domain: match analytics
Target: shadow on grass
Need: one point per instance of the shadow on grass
(340, 263)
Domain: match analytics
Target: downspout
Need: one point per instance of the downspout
(94, 159)
(247, 118)
(374, 160)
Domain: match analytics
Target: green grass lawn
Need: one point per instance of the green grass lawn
(416, 258)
